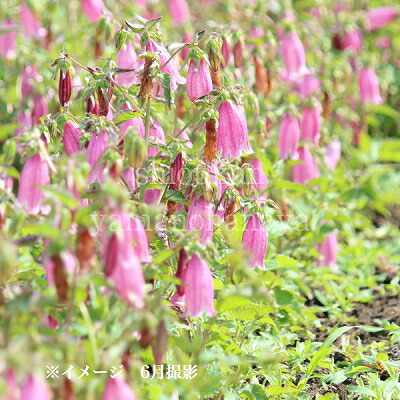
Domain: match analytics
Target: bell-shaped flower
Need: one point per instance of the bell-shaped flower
(232, 133)
(97, 146)
(94, 10)
(156, 135)
(328, 249)
(293, 54)
(31, 26)
(201, 219)
(307, 169)
(380, 16)
(35, 388)
(71, 138)
(8, 39)
(310, 124)
(198, 81)
(352, 40)
(121, 263)
(199, 290)
(179, 11)
(289, 136)
(40, 108)
(255, 241)
(260, 179)
(127, 59)
(35, 173)
(168, 65)
(117, 389)
(369, 87)
(332, 154)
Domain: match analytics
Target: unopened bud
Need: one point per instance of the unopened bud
(160, 345)
(213, 50)
(9, 151)
(176, 172)
(248, 179)
(64, 87)
(135, 149)
(120, 38)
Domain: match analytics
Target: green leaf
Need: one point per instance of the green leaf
(126, 116)
(7, 130)
(291, 186)
(277, 390)
(283, 297)
(285, 261)
(361, 390)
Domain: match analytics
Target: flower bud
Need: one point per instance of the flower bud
(9, 151)
(135, 149)
(64, 87)
(213, 50)
(120, 38)
(176, 171)
(248, 179)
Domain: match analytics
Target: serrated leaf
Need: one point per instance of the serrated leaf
(361, 390)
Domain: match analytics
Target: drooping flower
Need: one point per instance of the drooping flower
(199, 290)
(260, 179)
(127, 59)
(96, 148)
(289, 136)
(122, 265)
(8, 39)
(156, 135)
(35, 388)
(255, 241)
(328, 249)
(293, 54)
(31, 26)
(12, 389)
(29, 76)
(369, 87)
(128, 174)
(380, 16)
(198, 82)
(71, 138)
(35, 173)
(307, 169)
(200, 218)
(40, 108)
(352, 40)
(310, 124)
(136, 123)
(117, 389)
(94, 10)
(179, 11)
(332, 154)
(141, 244)
(232, 134)
(168, 65)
